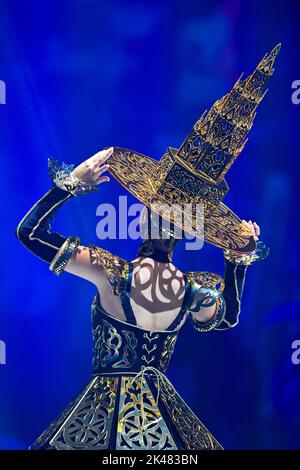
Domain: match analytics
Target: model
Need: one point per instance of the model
(141, 305)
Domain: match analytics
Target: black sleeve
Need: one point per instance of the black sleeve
(234, 279)
(34, 230)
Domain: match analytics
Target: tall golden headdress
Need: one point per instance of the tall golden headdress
(194, 173)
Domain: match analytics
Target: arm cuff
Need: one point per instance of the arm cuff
(261, 252)
(215, 320)
(63, 255)
(61, 177)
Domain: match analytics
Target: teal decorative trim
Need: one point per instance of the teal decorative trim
(261, 252)
(215, 321)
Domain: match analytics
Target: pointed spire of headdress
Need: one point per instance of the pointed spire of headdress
(219, 136)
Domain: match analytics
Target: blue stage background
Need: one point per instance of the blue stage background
(83, 75)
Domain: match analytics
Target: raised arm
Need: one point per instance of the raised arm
(34, 230)
(236, 267)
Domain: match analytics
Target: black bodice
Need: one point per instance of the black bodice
(121, 347)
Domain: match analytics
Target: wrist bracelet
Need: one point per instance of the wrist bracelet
(61, 177)
(261, 252)
(63, 255)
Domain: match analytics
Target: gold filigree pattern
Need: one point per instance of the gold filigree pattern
(191, 430)
(89, 424)
(221, 225)
(261, 252)
(108, 344)
(61, 176)
(183, 179)
(168, 348)
(133, 434)
(115, 267)
(194, 174)
(207, 280)
(219, 136)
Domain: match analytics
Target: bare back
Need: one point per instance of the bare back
(156, 294)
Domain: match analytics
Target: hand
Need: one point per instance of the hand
(248, 228)
(90, 171)
(261, 251)
(252, 228)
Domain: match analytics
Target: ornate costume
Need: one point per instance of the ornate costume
(130, 404)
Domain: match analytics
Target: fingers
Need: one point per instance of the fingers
(254, 228)
(100, 157)
(245, 228)
(99, 170)
(102, 179)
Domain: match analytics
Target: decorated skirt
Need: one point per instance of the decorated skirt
(129, 404)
